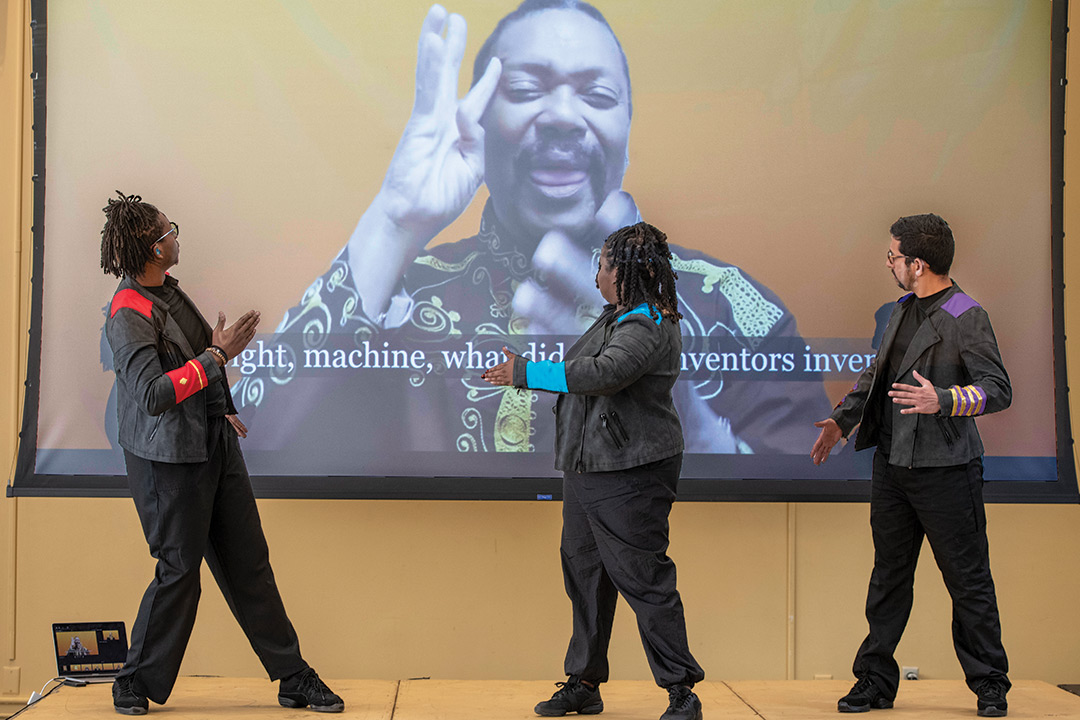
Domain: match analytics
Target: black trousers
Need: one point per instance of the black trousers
(945, 505)
(615, 540)
(190, 511)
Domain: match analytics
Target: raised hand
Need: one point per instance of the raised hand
(439, 162)
(436, 169)
(234, 339)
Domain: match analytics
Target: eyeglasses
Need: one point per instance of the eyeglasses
(891, 257)
(176, 229)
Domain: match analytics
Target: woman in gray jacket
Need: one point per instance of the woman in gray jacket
(619, 444)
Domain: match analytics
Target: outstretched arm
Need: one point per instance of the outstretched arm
(827, 439)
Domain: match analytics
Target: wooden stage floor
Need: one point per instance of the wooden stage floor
(243, 698)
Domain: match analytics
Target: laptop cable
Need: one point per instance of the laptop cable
(36, 696)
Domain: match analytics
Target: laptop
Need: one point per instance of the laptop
(89, 651)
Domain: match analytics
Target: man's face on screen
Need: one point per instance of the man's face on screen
(558, 126)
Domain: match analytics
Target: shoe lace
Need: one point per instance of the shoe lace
(311, 685)
(862, 685)
(679, 697)
(991, 689)
(566, 688)
(126, 685)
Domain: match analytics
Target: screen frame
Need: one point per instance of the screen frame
(26, 482)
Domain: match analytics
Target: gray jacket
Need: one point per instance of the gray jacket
(614, 409)
(956, 350)
(161, 411)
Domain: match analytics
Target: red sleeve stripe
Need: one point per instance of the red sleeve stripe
(129, 298)
(188, 379)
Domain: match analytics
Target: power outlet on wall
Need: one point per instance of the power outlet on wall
(9, 681)
(910, 672)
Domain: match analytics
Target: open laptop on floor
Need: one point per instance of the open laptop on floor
(92, 652)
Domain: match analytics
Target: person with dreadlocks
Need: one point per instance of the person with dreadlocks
(619, 444)
(179, 432)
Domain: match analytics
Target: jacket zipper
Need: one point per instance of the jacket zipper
(911, 463)
(611, 429)
(153, 432)
(945, 433)
(946, 430)
(584, 420)
(619, 425)
(581, 454)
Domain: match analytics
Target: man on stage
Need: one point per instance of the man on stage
(937, 369)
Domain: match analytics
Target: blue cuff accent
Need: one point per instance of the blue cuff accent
(546, 375)
(643, 309)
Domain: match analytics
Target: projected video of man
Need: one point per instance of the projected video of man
(546, 127)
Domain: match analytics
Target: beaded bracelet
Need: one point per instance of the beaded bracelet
(218, 353)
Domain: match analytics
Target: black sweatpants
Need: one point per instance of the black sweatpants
(190, 511)
(946, 505)
(615, 540)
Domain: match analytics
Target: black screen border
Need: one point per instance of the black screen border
(27, 483)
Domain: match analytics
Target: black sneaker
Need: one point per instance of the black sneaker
(572, 696)
(992, 699)
(864, 695)
(683, 705)
(126, 699)
(305, 689)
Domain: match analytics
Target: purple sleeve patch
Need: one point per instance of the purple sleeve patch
(958, 304)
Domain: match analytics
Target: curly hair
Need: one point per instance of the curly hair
(643, 273)
(128, 238)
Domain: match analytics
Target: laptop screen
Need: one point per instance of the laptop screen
(89, 649)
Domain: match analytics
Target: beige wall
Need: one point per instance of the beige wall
(393, 589)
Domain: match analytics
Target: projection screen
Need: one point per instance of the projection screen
(774, 143)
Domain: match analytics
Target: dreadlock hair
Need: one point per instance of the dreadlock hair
(128, 238)
(643, 271)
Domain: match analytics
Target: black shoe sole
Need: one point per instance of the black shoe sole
(993, 711)
(595, 710)
(130, 710)
(877, 705)
(845, 708)
(288, 702)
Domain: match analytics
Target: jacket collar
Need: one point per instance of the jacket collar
(129, 283)
(925, 337)
(163, 307)
(910, 298)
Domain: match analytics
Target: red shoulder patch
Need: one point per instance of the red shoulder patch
(128, 298)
